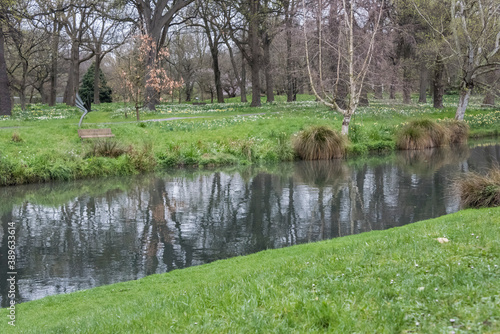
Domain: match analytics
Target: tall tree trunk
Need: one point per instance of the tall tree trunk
(215, 65)
(73, 75)
(97, 77)
(438, 84)
(235, 67)
(56, 34)
(424, 79)
(379, 90)
(392, 89)
(255, 61)
(291, 94)
(243, 82)
(5, 102)
(491, 79)
(267, 68)
(406, 85)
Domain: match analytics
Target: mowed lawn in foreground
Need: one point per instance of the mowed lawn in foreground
(41, 143)
(402, 280)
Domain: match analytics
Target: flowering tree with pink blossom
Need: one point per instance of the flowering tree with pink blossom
(146, 80)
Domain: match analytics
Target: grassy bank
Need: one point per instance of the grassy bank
(401, 280)
(42, 144)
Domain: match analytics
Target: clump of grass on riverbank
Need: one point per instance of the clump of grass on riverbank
(480, 191)
(320, 143)
(437, 276)
(420, 134)
(458, 131)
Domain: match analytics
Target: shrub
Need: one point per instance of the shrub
(458, 131)
(320, 142)
(105, 148)
(479, 191)
(420, 134)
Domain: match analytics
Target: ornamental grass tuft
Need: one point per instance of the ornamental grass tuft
(420, 134)
(480, 191)
(458, 131)
(320, 143)
(16, 137)
(105, 148)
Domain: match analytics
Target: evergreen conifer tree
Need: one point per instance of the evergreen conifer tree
(87, 87)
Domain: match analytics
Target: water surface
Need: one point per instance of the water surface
(79, 235)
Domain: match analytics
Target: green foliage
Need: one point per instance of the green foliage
(320, 143)
(87, 88)
(480, 191)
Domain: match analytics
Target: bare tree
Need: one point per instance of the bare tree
(474, 40)
(357, 64)
(105, 35)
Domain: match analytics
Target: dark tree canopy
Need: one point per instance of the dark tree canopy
(87, 88)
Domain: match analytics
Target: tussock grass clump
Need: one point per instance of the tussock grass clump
(320, 143)
(480, 191)
(458, 131)
(420, 134)
(16, 137)
(105, 148)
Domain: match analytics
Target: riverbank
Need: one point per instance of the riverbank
(401, 280)
(41, 143)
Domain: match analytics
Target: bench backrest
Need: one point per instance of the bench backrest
(94, 132)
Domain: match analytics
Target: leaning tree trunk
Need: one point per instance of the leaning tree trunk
(5, 102)
(465, 93)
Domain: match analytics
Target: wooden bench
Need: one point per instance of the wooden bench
(94, 133)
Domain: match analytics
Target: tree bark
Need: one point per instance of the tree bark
(438, 85)
(465, 93)
(291, 92)
(255, 57)
(73, 75)
(424, 79)
(267, 68)
(54, 62)
(243, 82)
(379, 90)
(406, 85)
(97, 77)
(5, 101)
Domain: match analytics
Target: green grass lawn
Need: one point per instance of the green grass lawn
(47, 147)
(401, 280)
